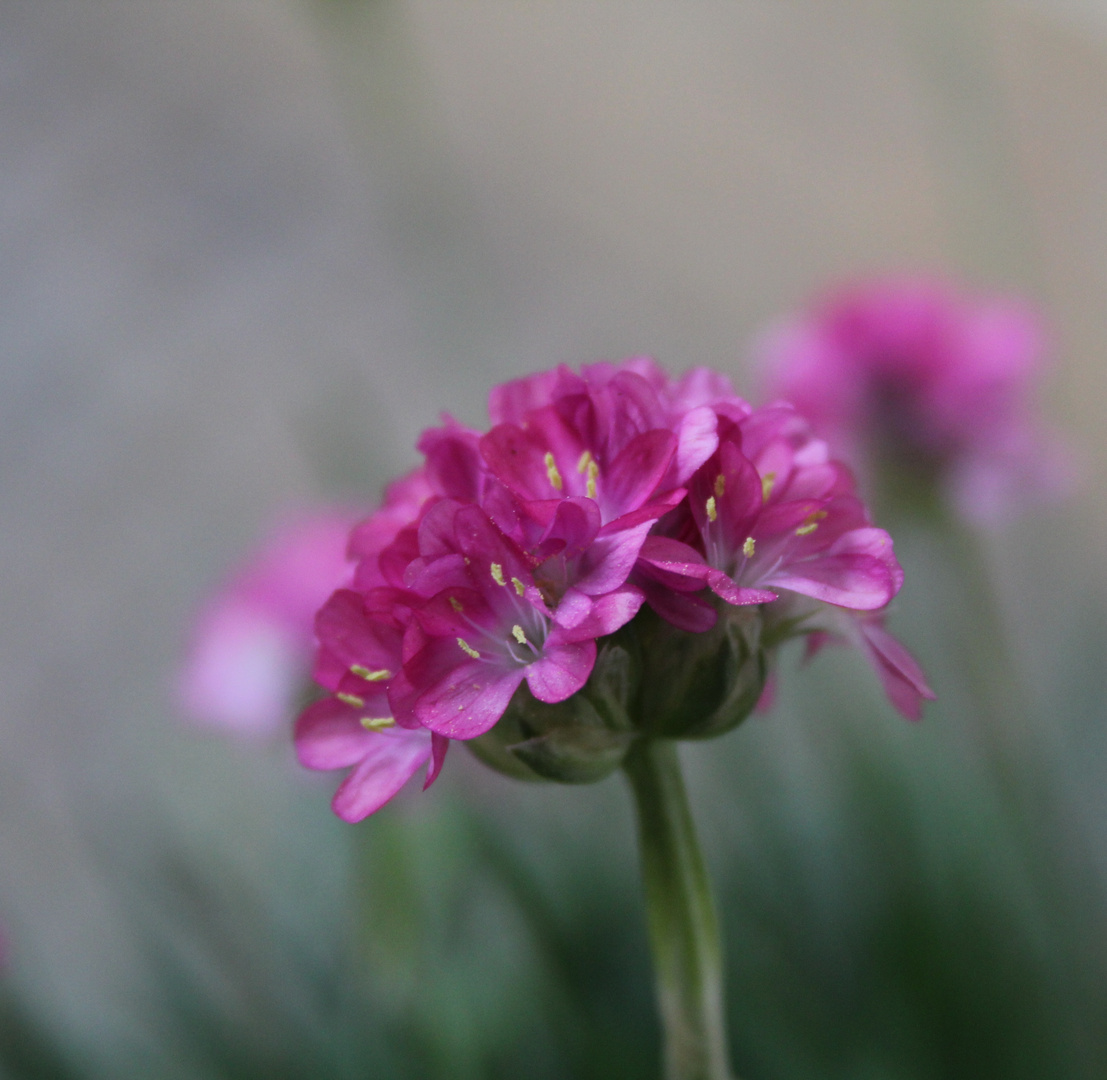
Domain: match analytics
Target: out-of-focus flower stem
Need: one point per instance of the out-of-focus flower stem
(683, 927)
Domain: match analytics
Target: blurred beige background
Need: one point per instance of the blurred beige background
(249, 248)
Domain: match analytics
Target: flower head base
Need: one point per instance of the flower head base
(930, 386)
(618, 556)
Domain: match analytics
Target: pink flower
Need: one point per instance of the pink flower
(936, 381)
(252, 645)
(359, 659)
(485, 625)
(493, 573)
(771, 520)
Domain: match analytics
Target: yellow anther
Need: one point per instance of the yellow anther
(520, 588)
(748, 547)
(811, 523)
(467, 648)
(767, 482)
(498, 574)
(585, 461)
(456, 604)
(518, 635)
(369, 675)
(351, 699)
(593, 472)
(377, 723)
(712, 513)
(552, 473)
(720, 486)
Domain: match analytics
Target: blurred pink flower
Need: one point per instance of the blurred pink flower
(252, 644)
(910, 371)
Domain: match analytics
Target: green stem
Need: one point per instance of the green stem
(684, 931)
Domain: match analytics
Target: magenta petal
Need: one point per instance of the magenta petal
(605, 614)
(467, 700)
(573, 524)
(697, 440)
(511, 401)
(685, 610)
(673, 564)
(875, 543)
(353, 636)
(573, 609)
(900, 675)
(726, 588)
(388, 764)
(454, 465)
(329, 735)
(853, 581)
(439, 745)
(561, 671)
(634, 475)
(518, 461)
(610, 558)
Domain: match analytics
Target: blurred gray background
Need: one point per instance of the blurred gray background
(249, 248)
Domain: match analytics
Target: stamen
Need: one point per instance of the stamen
(748, 547)
(767, 482)
(498, 574)
(712, 513)
(467, 648)
(593, 472)
(552, 473)
(369, 675)
(585, 461)
(520, 588)
(456, 604)
(352, 700)
(811, 523)
(720, 486)
(377, 723)
(518, 635)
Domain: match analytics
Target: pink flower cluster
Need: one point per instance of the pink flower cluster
(508, 554)
(910, 370)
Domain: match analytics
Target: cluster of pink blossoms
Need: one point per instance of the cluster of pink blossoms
(908, 371)
(509, 554)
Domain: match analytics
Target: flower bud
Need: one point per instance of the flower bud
(695, 686)
(676, 685)
(576, 741)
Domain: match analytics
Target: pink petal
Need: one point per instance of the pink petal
(610, 558)
(388, 764)
(727, 589)
(329, 735)
(518, 461)
(561, 671)
(454, 465)
(605, 614)
(459, 700)
(439, 745)
(673, 563)
(685, 610)
(352, 635)
(860, 582)
(697, 440)
(902, 678)
(634, 475)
